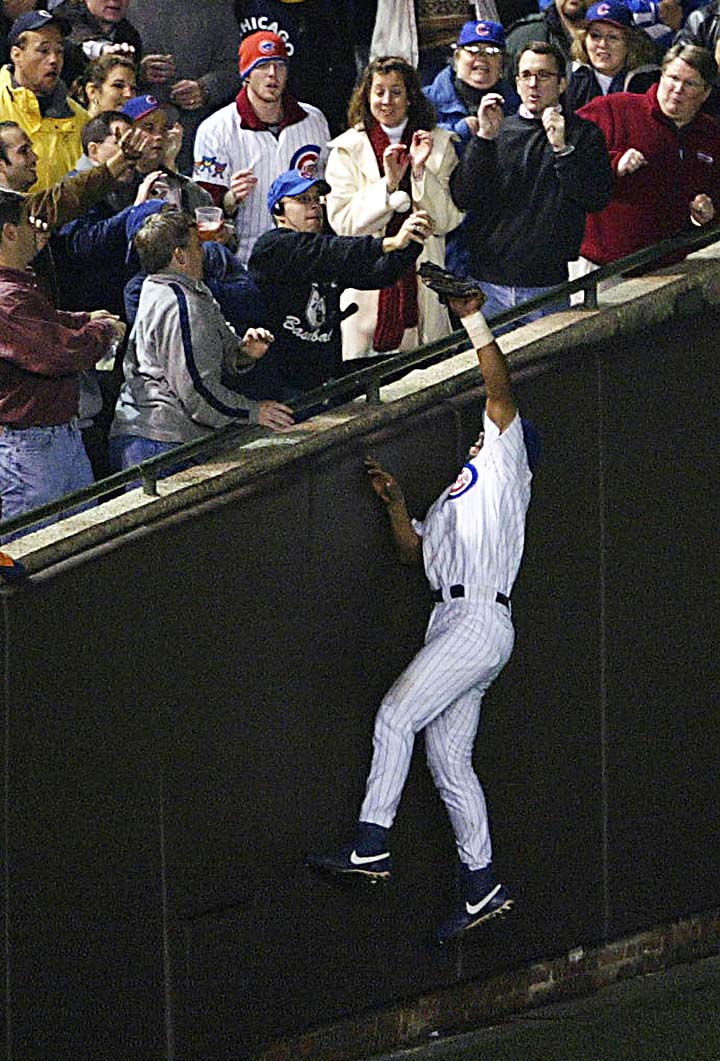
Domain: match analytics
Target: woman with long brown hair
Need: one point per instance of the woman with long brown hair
(107, 84)
(393, 157)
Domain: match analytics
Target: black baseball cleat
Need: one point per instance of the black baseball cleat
(347, 863)
(483, 899)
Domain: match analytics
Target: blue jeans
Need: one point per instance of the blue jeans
(39, 465)
(128, 450)
(501, 297)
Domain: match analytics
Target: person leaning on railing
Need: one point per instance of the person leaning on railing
(181, 353)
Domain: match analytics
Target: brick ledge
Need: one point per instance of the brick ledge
(469, 1005)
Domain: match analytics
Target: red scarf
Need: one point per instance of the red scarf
(397, 304)
(292, 112)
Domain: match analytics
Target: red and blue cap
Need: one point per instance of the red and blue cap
(612, 11)
(481, 32)
(293, 182)
(261, 47)
(139, 106)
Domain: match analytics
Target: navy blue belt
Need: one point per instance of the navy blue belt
(436, 595)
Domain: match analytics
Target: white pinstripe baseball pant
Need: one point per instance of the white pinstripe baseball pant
(467, 644)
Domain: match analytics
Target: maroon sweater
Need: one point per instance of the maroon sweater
(654, 202)
(41, 352)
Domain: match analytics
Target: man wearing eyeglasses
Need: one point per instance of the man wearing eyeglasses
(528, 182)
(665, 155)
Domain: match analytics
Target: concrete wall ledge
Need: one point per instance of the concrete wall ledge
(470, 1005)
(630, 306)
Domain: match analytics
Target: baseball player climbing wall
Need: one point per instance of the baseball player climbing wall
(473, 537)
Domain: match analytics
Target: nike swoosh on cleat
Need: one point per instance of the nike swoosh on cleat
(363, 860)
(475, 908)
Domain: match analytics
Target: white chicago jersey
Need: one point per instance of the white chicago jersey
(223, 146)
(474, 533)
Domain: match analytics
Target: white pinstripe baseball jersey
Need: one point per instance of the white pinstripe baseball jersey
(474, 533)
(223, 146)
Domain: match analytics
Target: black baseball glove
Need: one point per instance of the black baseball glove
(446, 285)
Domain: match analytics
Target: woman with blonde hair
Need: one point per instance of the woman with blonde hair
(392, 158)
(609, 55)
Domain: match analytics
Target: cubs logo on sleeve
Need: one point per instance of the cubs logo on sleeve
(464, 482)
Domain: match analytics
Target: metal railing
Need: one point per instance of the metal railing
(366, 381)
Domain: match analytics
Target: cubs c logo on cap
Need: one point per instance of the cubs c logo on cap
(482, 29)
(465, 480)
(603, 9)
(306, 160)
(267, 47)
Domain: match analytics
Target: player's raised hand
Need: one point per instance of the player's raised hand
(383, 483)
(463, 307)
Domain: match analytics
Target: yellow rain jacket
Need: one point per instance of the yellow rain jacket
(55, 141)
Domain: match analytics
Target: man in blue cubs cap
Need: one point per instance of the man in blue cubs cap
(302, 272)
(478, 61)
(291, 184)
(477, 68)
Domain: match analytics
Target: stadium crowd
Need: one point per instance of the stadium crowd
(208, 210)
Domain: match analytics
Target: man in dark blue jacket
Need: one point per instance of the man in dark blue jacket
(528, 182)
(302, 274)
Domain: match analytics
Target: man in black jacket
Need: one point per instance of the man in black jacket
(302, 274)
(527, 182)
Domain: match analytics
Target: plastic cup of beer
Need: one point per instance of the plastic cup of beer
(209, 221)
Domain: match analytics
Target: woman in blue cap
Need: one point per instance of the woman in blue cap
(609, 55)
(477, 67)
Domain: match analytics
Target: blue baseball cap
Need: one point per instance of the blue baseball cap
(35, 20)
(481, 32)
(293, 182)
(612, 11)
(138, 106)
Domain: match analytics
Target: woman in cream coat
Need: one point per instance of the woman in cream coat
(392, 157)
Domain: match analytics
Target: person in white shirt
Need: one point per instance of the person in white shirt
(242, 148)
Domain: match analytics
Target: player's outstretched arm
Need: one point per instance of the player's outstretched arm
(387, 488)
(500, 404)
